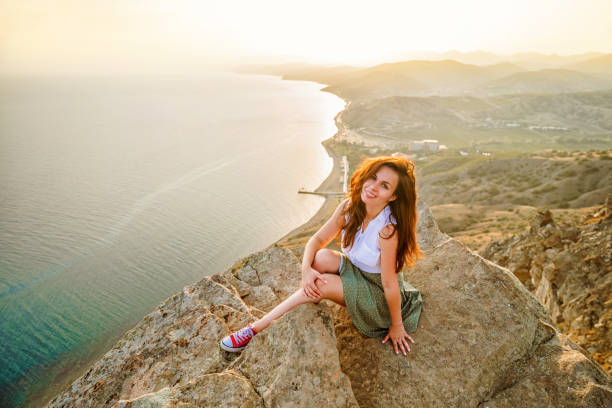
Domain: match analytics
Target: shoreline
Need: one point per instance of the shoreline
(300, 235)
(291, 240)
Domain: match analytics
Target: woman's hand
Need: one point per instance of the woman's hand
(309, 278)
(398, 336)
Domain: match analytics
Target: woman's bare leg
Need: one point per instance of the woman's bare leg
(325, 261)
(297, 298)
(331, 290)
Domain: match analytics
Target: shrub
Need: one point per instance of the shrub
(520, 189)
(545, 189)
(534, 183)
(568, 173)
(571, 196)
(524, 200)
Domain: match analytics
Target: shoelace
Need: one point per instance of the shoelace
(244, 334)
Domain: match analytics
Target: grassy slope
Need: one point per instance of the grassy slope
(580, 120)
(476, 198)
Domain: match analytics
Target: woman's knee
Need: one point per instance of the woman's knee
(326, 261)
(332, 289)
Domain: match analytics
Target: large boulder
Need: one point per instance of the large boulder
(482, 341)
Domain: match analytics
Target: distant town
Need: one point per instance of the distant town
(427, 145)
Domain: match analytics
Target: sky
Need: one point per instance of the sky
(192, 35)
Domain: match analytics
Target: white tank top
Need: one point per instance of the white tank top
(365, 251)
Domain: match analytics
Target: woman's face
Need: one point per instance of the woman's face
(378, 189)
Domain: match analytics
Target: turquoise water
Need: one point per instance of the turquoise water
(119, 191)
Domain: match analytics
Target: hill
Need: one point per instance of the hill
(507, 179)
(601, 64)
(550, 81)
(523, 123)
(449, 77)
(568, 268)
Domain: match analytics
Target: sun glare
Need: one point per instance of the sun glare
(119, 33)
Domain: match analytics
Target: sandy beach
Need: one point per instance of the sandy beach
(58, 376)
(297, 238)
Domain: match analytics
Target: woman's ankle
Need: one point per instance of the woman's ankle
(258, 326)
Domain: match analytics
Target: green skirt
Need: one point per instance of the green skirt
(366, 303)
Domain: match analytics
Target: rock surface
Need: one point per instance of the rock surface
(483, 340)
(172, 357)
(568, 268)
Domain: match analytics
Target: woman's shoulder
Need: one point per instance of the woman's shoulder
(388, 225)
(341, 210)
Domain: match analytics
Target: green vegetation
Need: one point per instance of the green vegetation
(552, 178)
(522, 123)
(560, 179)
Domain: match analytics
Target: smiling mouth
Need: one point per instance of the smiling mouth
(370, 195)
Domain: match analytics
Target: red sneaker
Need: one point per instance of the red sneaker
(238, 340)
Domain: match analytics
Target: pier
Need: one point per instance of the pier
(322, 193)
(343, 180)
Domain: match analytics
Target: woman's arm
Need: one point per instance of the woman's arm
(319, 240)
(388, 253)
(324, 235)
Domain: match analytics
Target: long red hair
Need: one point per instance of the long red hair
(403, 208)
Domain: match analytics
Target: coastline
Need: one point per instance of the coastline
(293, 240)
(297, 238)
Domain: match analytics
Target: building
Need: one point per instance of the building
(426, 144)
(414, 145)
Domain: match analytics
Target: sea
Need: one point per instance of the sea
(119, 190)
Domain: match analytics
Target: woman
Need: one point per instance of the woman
(377, 223)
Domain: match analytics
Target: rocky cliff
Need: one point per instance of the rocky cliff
(483, 341)
(568, 268)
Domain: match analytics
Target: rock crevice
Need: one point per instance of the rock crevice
(568, 269)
